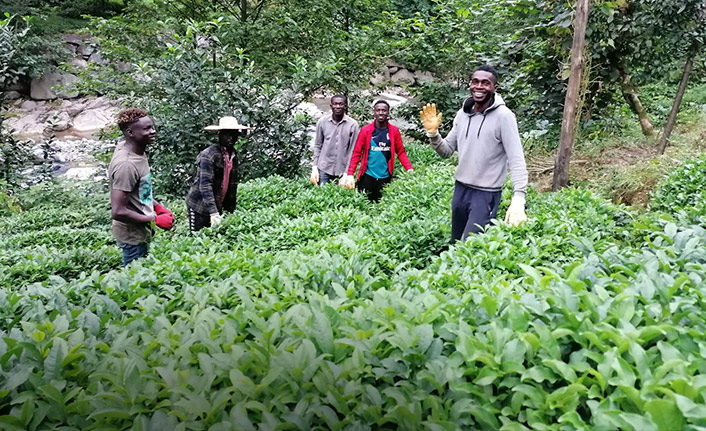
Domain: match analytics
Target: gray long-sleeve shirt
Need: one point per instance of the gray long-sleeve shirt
(487, 143)
(334, 143)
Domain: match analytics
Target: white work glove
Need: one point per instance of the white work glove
(216, 219)
(516, 211)
(314, 175)
(347, 182)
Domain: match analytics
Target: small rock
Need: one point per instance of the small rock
(97, 102)
(82, 173)
(378, 79)
(12, 95)
(85, 50)
(74, 109)
(123, 67)
(79, 63)
(97, 58)
(73, 39)
(59, 122)
(39, 153)
(28, 105)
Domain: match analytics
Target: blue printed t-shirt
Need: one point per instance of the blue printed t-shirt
(379, 154)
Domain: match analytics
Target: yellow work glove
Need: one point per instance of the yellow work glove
(347, 182)
(516, 211)
(430, 119)
(314, 175)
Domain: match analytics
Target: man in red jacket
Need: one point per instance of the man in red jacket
(375, 149)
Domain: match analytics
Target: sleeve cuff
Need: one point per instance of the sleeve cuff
(432, 135)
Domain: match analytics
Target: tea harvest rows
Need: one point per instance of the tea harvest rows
(311, 309)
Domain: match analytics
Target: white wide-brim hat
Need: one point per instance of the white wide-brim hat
(228, 123)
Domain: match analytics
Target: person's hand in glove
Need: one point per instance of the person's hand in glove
(164, 218)
(347, 182)
(430, 119)
(216, 219)
(314, 175)
(516, 211)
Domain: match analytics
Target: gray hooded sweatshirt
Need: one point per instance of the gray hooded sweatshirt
(487, 143)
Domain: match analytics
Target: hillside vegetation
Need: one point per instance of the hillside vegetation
(310, 308)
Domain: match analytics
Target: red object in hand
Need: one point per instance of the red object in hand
(165, 220)
(159, 209)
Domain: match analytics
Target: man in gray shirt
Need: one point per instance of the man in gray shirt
(336, 134)
(485, 135)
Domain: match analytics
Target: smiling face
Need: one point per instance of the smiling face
(482, 86)
(338, 106)
(381, 112)
(142, 131)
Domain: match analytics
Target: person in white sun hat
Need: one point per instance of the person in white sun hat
(215, 185)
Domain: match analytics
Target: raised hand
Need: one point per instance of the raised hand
(430, 119)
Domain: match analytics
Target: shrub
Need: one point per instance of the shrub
(189, 92)
(683, 192)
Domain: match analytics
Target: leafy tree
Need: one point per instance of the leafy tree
(187, 90)
(14, 155)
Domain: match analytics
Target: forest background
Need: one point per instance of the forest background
(311, 309)
(190, 61)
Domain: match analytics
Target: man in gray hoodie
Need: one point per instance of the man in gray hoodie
(485, 135)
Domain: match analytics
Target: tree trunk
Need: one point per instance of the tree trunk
(672, 119)
(630, 94)
(571, 102)
(244, 11)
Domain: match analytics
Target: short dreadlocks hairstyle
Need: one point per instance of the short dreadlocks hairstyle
(128, 116)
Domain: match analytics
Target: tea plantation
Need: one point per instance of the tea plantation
(310, 309)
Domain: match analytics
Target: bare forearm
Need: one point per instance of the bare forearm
(129, 216)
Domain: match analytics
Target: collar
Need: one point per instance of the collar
(330, 118)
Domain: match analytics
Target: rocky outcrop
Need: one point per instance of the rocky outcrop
(57, 84)
(45, 87)
(396, 74)
(80, 117)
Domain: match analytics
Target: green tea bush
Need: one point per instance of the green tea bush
(311, 309)
(683, 192)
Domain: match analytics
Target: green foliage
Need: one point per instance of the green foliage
(189, 91)
(447, 97)
(683, 192)
(310, 308)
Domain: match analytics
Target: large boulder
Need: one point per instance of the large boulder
(42, 88)
(423, 76)
(91, 120)
(403, 76)
(31, 124)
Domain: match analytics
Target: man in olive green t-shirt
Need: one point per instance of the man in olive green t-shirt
(133, 208)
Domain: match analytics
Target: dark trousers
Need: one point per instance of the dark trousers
(198, 221)
(471, 210)
(372, 186)
(326, 178)
(132, 252)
